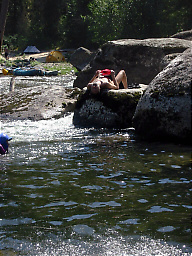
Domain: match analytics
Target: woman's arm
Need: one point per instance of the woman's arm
(116, 85)
(97, 75)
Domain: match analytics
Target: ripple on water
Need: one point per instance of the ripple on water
(175, 166)
(166, 229)
(56, 223)
(112, 175)
(55, 204)
(83, 230)
(130, 221)
(157, 208)
(15, 222)
(104, 204)
(80, 217)
(143, 201)
(92, 187)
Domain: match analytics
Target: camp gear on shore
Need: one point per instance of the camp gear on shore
(55, 56)
(31, 49)
(29, 72)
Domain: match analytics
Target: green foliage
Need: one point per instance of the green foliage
(2, 59)
(73, 24)
(110, 20)
(90, 23)
(62, 68)
(105, 20)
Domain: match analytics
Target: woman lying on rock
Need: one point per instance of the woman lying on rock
(106, 79)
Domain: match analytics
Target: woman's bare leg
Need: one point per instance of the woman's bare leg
(121, 77)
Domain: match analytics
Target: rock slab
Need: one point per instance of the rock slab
(110, 109)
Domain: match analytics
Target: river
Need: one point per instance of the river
(77, 191)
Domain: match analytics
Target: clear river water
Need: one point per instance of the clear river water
(66, 190)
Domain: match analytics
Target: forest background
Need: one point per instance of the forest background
(63, 24)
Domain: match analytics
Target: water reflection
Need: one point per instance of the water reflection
(73, 191)
(86, 241)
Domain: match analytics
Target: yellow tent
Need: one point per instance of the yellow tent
(55, 56)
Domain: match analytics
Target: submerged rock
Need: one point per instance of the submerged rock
(111, 108)
(164, 111)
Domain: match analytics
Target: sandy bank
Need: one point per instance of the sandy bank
(41, 57)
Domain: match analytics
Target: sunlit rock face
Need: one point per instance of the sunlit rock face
(164, 111)
(187, 35)
(95, 113)
(111, 108)
(141, 59)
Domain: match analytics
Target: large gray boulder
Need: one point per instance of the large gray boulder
(141, 59)
(164, 111)
(111, 108)
(81, 58)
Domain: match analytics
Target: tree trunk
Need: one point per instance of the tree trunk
(3, 16)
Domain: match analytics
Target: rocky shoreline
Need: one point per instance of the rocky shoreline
(160, 108)
(37, 98)
(42, 101)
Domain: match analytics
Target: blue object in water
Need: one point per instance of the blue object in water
(4, 138)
